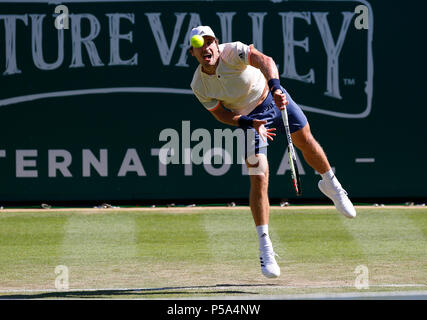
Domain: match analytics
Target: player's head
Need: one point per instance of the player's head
(208, 54)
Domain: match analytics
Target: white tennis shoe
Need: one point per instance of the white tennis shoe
(339, 197)
(269, 266)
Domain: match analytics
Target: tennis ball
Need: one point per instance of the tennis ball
(197, 41)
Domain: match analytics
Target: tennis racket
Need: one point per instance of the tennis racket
(292, 156)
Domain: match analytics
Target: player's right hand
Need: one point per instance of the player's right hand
(280, 99)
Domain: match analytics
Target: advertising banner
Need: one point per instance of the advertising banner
(94, 94)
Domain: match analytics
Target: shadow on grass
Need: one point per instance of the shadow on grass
(138, 293)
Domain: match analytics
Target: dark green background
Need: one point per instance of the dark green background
(394, 132)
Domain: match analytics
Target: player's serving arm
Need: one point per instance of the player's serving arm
(240, 86)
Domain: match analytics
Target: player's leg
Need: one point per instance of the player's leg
(315, 156)
(312, 151)
(258, 196)
(256, 161)
(260, 207)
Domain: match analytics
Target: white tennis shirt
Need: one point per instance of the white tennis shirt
(236, 85)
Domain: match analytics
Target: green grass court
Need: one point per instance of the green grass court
(211, 252)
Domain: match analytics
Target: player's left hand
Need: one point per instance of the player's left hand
(263, 132)
(280, 99)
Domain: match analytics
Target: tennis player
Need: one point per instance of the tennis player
(240, 86)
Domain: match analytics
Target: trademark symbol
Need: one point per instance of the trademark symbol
(349, 81)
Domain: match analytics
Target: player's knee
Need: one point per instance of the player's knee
(257, 165)
(304, 140)
(259, 182)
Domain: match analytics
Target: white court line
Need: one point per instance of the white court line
(366, 294)
(396, 295)
(213, 287)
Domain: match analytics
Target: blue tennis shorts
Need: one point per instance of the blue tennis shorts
(268, 111)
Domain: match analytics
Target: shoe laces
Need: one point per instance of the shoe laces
(338, 189)
(268, 256)
(341, 191)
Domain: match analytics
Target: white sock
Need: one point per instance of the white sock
(263, 237)
(328, 175)
(330, 178)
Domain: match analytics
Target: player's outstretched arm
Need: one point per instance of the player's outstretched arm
(265, 63)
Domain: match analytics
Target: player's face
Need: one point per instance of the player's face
(208, 54)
